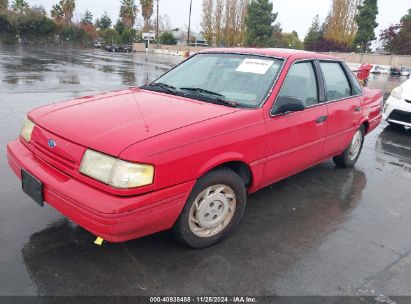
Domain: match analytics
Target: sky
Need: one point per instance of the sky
(292, 14)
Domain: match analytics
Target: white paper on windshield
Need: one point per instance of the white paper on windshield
(256, 66)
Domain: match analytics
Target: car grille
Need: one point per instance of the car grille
(400, 116)
(44, 153)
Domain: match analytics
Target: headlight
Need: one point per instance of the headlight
(116, 172)
(397, 92)
(27, 129)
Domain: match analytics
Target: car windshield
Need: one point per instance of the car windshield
(239, 79)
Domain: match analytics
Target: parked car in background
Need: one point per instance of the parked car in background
(394, 71)
(183, 152)
(127, 48)
(385, 70)
(97, 44)
(111, 48)
(397, 108)
(353, 67)
(405, 71)
(376, 69)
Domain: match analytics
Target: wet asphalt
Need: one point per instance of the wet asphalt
(325, 231)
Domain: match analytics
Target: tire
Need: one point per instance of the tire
(350, 155)
(213, 208)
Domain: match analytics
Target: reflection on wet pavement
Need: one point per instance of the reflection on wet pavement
(51, 67)
(325, 231)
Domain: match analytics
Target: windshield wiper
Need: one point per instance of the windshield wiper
(162, 86)
(220, 98)
(200, 90)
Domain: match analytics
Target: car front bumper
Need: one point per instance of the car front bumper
(397, 111)
(113, 218)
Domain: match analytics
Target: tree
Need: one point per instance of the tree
(33, 25)
(397, 38)
(128, 12)
(104, 22)
(119, 27)
(164, 23)
(405, 34)
(290, 41)
(147, 11)
(207, 21)
(57, 13)
(19, 6)
(110, 36)
(242, 10)
(7, 33)
(128, 36)
(4, 5)
(314, 34)
(75, 34)
(87, 18)
(167, 38)
(341, 25)
(234, 24)
(258, 21)
(89, 29)
(68, 7)
(218, 22)
(39, 9)
(366, 21)
(276, 36)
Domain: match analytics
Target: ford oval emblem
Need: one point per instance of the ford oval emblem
(51, 143)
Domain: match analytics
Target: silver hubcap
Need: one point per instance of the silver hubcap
(355, 145)
(212, 210)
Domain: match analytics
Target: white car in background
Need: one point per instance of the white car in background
(405, 72)
(397, 108)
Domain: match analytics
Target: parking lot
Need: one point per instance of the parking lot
(325, 231)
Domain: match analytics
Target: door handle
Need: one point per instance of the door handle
(357, 109)
(321, 119)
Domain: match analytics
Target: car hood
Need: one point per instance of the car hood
(111, 122)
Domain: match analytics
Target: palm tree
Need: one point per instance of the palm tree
(57, 13)
(128, 12)
(68, 7)
(147, 8)
(19, 6)
(4, 5)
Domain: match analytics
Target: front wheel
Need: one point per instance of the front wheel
(214, 207)
(350, 155)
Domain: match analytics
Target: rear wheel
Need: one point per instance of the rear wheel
(214, 207)
(350, 155)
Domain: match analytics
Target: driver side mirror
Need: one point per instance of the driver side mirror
(288, 104)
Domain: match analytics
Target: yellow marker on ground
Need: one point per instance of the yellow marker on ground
(98, 241)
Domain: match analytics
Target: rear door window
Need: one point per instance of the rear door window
(336, 82)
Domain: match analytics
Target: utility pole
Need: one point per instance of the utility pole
(157, 19)
(189, 23)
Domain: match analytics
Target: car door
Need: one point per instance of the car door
(343, 105)
(295, 139)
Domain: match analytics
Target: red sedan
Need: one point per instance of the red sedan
(184, 151)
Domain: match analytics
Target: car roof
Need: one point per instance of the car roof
(273, 52)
